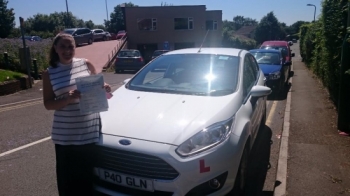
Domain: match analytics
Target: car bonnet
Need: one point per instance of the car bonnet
(164, 118)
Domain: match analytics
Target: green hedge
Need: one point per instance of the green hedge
(321, 41)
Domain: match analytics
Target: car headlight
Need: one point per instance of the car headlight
(206, 139)
(275, 75)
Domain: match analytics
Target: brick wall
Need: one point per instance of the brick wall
(13, 86)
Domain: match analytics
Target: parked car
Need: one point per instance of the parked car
(121, 34)
(283, 46)
(32, 38)
(158, 52)
(100, 34)
(185, 131)
(290, 43)
(275, 69)
(81, 35)
(128, 60)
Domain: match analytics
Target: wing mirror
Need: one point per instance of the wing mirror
(260, 91)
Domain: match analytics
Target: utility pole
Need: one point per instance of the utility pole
(107, 10)
(67, 17)
(344, 85)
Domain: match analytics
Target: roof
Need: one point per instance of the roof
(222, 51)
(245, 30)
(275, 42)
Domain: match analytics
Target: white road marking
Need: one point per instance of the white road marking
(19, 102)
(23, 147)
(271, 113)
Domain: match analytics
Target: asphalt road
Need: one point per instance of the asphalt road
(30, 170)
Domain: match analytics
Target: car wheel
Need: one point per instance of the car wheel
(104, 38)
(90, 41)
(239, 188)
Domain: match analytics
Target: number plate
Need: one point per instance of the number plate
(125, 180)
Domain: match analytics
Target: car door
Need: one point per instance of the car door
(253, 104)
(78, 36)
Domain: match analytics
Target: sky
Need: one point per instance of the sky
(287, 11)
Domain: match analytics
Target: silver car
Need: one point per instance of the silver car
(81, 35)
(128, 60)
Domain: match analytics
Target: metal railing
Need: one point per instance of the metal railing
(114, 52)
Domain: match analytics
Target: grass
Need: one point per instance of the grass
(6, 75)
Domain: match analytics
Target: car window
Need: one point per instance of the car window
(79, 32)
(191, 74)
(283, 49)
(249, 76)
(129, 53)
(267, 58)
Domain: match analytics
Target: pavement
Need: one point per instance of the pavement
(317, 157)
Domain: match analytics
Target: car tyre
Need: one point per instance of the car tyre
(239, 188)
(105, 38)
(90, 41)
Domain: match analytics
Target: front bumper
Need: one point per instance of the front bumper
(193, 173)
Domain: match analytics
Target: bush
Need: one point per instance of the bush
(38, 50)
(321, 42)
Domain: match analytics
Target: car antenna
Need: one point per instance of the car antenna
(205, 37)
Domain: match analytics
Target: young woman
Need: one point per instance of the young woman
(73, 134)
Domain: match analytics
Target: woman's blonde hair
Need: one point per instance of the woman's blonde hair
(53, 56)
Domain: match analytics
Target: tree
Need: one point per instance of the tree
(269, 29)
(117, 22)
(295, 27)
(7, 19)
(240, 21)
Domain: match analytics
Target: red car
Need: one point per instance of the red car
(121, 34)
(283, 46)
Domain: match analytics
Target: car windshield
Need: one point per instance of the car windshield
(267, 58)
(159, 52)
(190, 74)
(129, 53)
(68, 31)
(283, 49)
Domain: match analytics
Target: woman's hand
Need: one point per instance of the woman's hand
(107, 87)
(73, 95)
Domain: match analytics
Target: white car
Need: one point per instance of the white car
(183, 125)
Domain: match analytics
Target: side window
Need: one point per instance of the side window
(249, 76)
(79, 32)
(85, 31)
(254, 65)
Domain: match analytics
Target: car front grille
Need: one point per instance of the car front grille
(135, 164)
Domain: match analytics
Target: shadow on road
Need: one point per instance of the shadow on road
(260, 163)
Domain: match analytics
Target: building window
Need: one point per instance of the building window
(211, 25)
(183, 23)
(147, 24)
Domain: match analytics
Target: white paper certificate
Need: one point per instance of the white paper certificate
(93, 97)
